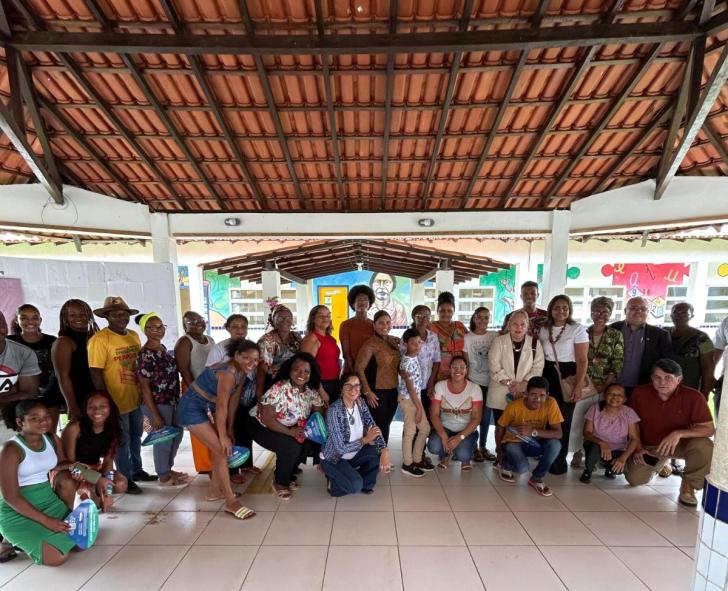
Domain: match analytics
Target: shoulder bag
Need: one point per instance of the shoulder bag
(588, 389)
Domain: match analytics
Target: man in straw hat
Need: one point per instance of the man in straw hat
(112, 354)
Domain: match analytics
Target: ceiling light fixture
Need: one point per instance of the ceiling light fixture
(426, 222)
(232, 221)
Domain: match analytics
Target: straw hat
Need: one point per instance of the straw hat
(112, 303)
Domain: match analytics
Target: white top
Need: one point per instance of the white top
(477, 347)
(217, 353)
(356, 431)
(721, 339)
(573, 334)
(35, 465)
(198, 355)
(456, 409)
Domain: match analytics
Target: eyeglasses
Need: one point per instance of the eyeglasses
(351, 387)
(196, 321)
(602, 312)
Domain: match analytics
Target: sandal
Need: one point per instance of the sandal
(294, 485)
(491, 457)
(9, 555)
(284, 494)
(237, 479)
(465, 466)
(443, 463)
(213, 499)
(478, 456)
(252, 470)
(241, 513)
(540, 488)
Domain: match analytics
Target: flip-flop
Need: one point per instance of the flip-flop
(237, 479)
(242, 513)
(466, 467)
(282, 494)
(8, 556)
(252, 470)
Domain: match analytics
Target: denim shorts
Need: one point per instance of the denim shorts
(193, 409)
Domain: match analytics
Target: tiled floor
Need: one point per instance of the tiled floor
(448, 530)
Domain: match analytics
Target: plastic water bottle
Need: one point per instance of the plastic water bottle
(109, 485)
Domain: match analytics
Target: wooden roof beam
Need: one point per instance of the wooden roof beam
(373, 43)
(517, 68)
(605, 119)
(270, 100)
(200, 77)
(442, 124)
(695, 121)
(716, 141)
(389, 92)
(716, 24)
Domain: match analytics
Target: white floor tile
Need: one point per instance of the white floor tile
(396, 478)
(364, 528)
(151, 500)
(438, 568)
(137, 568)
(379, 500)
(621, 529)
(343, 561)
(310, 499)
(79, 568)
(225, 568)
(300, 528)
(304, 568)
(117, 529)
(418, 498)
(225, 530)
(643, 498)
(454, 476)
(591, 569)
(521, 497)
(474, 498)
(663, 569)
(193, 498)
(549, 528)
(506, 568)
(428, 529)
(586, 498)
(492, 528)
(172, 529)
(12, 569)
(679, 527)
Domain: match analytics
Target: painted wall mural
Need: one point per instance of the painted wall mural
(217, 297)
(647, 280)
(504, 282)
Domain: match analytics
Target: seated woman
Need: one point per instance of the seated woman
(31, 515)
(275, 423)
(611, 433)
(208, 409)
(355, 450)
(92, 441)
(455, 415)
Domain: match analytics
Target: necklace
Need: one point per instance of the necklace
(351, 414)
(553, 340)
(519, 348)
(594, 340)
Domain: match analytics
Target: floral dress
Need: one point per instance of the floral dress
(274, 352)
(607, 357)
(452, 342)
(290, 403)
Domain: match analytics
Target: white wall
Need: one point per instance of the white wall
(48, 283)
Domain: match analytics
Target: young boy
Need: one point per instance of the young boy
(415, 420)
(530, 427)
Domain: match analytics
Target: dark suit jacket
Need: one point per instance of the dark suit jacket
(658, 345)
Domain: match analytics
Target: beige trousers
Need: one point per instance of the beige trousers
(697, 453)
(410, 453)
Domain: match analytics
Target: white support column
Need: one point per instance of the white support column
(164, 250)
(444, 281)
(418, 294)
(555, 257)
(302, 303)
(710, 567)
(698, 290)
(271, 281)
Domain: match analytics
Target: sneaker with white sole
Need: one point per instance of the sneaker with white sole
(412, 470)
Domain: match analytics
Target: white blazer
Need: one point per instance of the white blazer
(500, 360)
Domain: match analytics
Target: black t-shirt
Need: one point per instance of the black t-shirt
(49, 389)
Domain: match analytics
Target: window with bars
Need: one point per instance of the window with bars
(248, 300)
(615, 293)
(675, 294)
(577, 301)
(471, 298)
(716, 307)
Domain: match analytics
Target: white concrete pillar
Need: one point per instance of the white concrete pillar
(271, 282)
(698, 290)
(418, 294)
(444, 281)
(711, 550)
(555, 257)
(197, 289)
(164, 250)
(302, 303)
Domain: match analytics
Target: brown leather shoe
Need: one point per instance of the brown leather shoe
(665, 471)
(687, 495)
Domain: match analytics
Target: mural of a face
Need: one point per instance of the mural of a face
(382, 284)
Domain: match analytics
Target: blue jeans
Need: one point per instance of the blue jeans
(129, 454)
(515, 456)
(348, 477)
(462, 453)
(164, 453)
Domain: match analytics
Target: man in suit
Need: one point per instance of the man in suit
(644, 344)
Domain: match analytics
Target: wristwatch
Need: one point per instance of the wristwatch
(534, 433)
(462, 437)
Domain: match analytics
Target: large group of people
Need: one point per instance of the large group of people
(627, 397)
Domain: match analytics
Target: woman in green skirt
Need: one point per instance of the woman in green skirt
(31, 514)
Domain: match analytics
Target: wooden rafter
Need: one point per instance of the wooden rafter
(199, 75)
(270, 100)
(716, 141)
(695, 121)
(605, 119)
(517, 68)
(389, 91)
(452, 79)
(328, 92)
